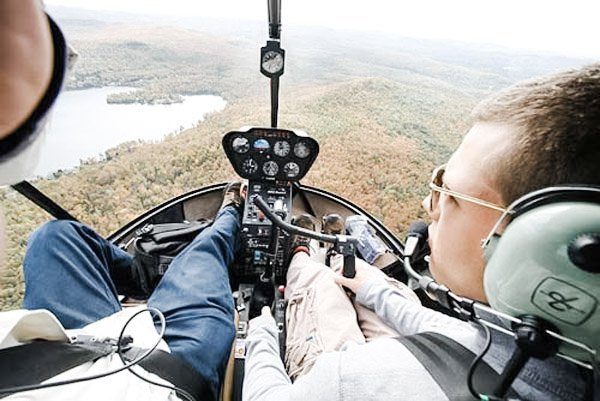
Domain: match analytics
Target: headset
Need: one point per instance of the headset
(542, 279)
(546, 263)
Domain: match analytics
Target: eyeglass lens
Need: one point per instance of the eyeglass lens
(436, 179)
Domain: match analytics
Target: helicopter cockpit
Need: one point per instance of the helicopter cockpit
(272, 161)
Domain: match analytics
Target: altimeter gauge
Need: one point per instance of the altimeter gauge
(281, 148)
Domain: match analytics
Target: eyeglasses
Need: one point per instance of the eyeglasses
(437, 187)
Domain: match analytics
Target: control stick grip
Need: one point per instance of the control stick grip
(349, 269)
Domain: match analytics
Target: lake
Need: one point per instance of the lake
(83, 125)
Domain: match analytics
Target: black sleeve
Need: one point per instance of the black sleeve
(24, 135)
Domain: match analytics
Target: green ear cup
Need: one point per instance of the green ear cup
(543, 264)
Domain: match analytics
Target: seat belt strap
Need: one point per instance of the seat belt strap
(448, 363)
(175, 371)
(39, 361)
(239, 354)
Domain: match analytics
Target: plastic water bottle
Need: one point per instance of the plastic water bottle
(369, 244)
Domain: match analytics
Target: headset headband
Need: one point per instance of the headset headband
(563, 193)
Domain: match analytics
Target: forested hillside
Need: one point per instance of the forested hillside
(383, 116)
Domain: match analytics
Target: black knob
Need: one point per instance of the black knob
(584, 252)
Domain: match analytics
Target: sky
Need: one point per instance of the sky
(567, 27)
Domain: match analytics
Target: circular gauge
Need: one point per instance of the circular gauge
(301, 150)
(250, 166)
(272, 62)
(291, 169)
(240, 144)
(281, 148)
(271, 168)
(261, 144)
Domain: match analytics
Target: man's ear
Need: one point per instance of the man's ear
(26, 51)
(505, 222)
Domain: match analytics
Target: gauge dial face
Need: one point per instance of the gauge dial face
(301, 150)
(261, 144)
(281, 148)
(272, 62)
(250, 166)
(270, 168)
(240, 145)
(291, 169)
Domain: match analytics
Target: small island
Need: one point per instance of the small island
(144, 97)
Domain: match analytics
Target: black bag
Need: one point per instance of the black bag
(155, 246)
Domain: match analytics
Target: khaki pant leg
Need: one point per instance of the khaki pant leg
(370, 324)
(319, 316)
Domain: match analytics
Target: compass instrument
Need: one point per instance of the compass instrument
(272, 57)
(272, 62)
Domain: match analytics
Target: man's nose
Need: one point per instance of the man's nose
(426, 204)
(433, 214)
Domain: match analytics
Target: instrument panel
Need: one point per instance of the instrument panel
(270, 154)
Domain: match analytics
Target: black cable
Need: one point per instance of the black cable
(31, 387)
(182, 392)
(595, 382)
(478, 358)
(588, 377)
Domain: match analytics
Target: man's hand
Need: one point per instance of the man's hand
(363, 274)
(264, 319)
(266, 313)
(26, 61)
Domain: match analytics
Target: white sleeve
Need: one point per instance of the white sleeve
(265, 378)
(405, 316)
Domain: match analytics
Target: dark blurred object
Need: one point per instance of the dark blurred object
(262, 295)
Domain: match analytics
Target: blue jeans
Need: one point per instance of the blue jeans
(69, 270)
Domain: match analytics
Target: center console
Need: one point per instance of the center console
(264, 245)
